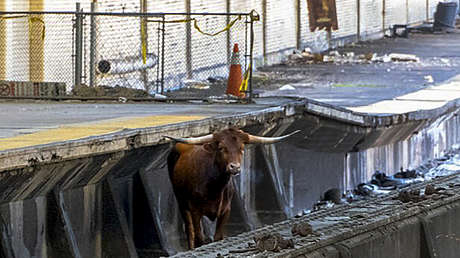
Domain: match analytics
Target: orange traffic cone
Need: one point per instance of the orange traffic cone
(235, 77)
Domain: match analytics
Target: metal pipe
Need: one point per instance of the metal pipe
(126, 65)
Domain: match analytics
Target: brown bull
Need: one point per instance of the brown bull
(200, 170)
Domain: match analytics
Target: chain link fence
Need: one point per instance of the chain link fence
(182, 55)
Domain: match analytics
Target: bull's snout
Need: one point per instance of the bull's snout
(234, 168)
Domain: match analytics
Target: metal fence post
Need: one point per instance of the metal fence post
(163, 32)
(188, 40)
(92, 48)
(78, 45)
(427, 10)
(298, 20)
(144, 40)
(358, 20)
(264, 30)
(251, 57)
(383, 16)
(228, 37)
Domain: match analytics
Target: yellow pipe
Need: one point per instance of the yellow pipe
(3, 43)
(36, 43)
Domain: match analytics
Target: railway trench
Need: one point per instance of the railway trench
(110, 196)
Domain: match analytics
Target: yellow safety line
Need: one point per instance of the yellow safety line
(79, 131)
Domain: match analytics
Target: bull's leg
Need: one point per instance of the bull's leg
(187, 215)
(221, 221)
(199, 237)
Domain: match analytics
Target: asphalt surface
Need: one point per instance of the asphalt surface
(354, 84)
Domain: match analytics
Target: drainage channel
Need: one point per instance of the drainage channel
(340, 230)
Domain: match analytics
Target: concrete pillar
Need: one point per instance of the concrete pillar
(36, 42)
(3, 43)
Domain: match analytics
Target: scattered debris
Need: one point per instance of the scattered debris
(430, 189)
(272, 242)
(406, 174)
(159, 96)
(396, 57)
(333, 195)
(429, 78)
(287, 87)
(445, 61)
(348, 57)
(349, 196)
(216, 79)
(302, 229)
(410, 196)
(196, 84)
(364, 189)
(107, 91)
(380, 179)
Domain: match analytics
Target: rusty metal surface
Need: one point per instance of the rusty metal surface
(336, 224)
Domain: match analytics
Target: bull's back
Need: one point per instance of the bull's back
(177, 151)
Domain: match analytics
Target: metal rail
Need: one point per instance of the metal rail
(135, 14)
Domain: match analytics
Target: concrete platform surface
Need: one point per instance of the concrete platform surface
(28, 124)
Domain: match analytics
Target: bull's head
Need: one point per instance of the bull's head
(228, 145)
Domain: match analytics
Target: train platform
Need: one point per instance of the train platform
(346, 91)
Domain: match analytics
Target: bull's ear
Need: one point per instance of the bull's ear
(210, 146)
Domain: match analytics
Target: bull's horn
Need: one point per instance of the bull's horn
(193, 140)
(269, 140)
